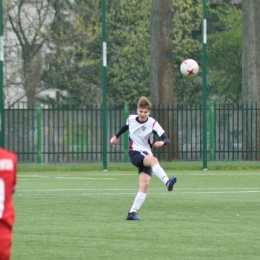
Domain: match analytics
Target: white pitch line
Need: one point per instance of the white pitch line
(100, 192)
(219, 188)
(132, 193)
(69, 179)
(177, 189)
(76, 195)
(222, 192)
(82, 190)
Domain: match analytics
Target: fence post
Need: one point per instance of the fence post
(204, 81)
(212, 131)
(104, 85)
(126, 112)
(39, 133)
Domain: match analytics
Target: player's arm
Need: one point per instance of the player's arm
(113, 140)
(164, 140)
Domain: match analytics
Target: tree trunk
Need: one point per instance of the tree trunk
(162, 90)
(251, 74)
(162, 73)
(32, 70)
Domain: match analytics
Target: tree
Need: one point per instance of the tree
(71, 35)
(172, 26)
(251, 52)
(161, 89)
(29, 23)
(73, 63)
(187, 44)
(161, 85)
(251, 73)
(128, 50)
(225, 53)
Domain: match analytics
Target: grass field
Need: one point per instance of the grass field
(81, 215)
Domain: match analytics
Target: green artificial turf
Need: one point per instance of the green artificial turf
(81, 215)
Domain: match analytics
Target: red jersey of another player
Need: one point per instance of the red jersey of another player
(8, 165)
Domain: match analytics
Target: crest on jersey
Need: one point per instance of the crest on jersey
(143, 128)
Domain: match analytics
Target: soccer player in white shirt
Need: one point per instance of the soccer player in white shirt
(141, 130)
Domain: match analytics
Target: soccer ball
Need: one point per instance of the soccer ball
(189, 68)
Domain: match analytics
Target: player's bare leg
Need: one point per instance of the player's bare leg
(151, 161)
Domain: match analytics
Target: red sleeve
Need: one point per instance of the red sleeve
(8, 167)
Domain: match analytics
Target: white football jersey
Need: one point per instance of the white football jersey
(141, 133)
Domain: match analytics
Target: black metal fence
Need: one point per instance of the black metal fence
(75, 134)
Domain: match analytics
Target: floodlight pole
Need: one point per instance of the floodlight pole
(104, 85)
(2, 125)
(204, 81)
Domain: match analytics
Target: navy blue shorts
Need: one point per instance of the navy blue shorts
(137, 158)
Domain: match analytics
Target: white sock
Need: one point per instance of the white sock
(138, 202)
(160, 173)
